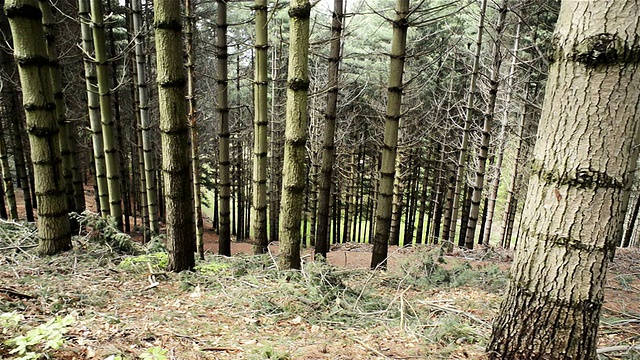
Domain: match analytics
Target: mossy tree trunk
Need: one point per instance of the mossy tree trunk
(582, 171)
(176, 153)
(394, 101)
(294, 168)
(30, 51)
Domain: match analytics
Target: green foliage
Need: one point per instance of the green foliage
(268, 352)
(39, 339)
(157, 261)
(154, 353)
(453, 329)
(211, 268)
(10, 321)
(107, 232)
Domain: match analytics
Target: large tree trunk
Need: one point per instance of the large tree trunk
(582, 171)
(394, 101)
(328, 148)
(176, 164)
(293, 172)
(30, 51)
(106, 118)
(224, 245)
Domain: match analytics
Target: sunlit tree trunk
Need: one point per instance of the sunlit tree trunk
(483, 151)
(394, 101)
(582, 170)
(294, 168)
(328, 148)
(106, 118)
(174, 129)
(30, 52)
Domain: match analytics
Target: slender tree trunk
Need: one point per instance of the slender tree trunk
(93, 102)
(293, 174)
(328, 147)
(632, 224)
(394, 101)
(30, 52)
(495, 185)
(224, 247)
(106, 117)
(143, 94)
(7, 182)
(260, 129)
(192, 116)
(579, 187)
(468, 120)
(397, 203)
(174, 129)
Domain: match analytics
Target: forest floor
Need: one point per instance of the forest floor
(111, 304)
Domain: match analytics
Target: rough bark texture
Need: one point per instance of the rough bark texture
(260, 130)
(30, 51)
(106, 118)
(294, 168)
(7, 182)
(387, 169)
(328, 149)
(582, 171)
(176, 164)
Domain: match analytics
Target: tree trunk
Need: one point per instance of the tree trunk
(483, 152)
(582, 172)
(632, 222)
(328, 147)
(30, 51)
(7, 182)
(460, 179)
(174, 129)
(293, 173)
(260, 129)
(394, 101)
(143, 94)
(224, 246)
(93, 102)
(106, 117)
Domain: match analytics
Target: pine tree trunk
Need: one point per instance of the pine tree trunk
(93, 102)
(143, 94)
(106, 116)
(7, 182)
(260, 129)
(224, 247)
(293, 173)
(174, 129)
(483, 152)
(579, 186)
(193, 125)
(30, 52)
(460, 178)
(328, 147)
(394, 101)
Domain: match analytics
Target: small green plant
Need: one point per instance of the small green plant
(154, 353)
(212, 268)
(158, 261)
(10, 321)
(41, 338)
(267, 352)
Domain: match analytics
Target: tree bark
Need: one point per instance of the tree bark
(30, 52)
(174, 129)
(582, 171)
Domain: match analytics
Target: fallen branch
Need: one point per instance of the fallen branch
(12, 292)
(368, 347)
(619, 348)
(456, 311)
